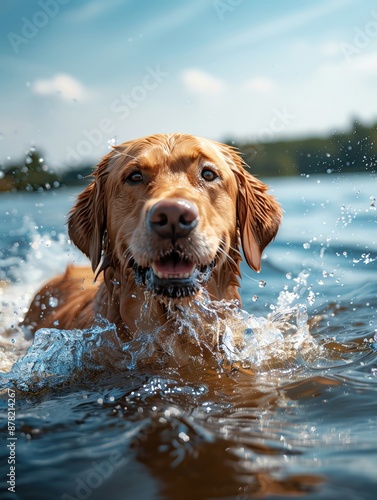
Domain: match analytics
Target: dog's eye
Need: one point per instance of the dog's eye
(209, 175)
(135, 177)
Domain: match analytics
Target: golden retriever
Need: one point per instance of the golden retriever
(167, 214)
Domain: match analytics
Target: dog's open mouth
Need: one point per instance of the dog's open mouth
(174, 275)
(173, 266)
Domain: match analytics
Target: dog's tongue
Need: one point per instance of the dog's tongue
(170, 268)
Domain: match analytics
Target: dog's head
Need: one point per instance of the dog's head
(173, 208)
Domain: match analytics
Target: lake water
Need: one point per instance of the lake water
(292, 412)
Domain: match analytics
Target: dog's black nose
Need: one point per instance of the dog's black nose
(173, 218)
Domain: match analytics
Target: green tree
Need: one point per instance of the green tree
(30, 175)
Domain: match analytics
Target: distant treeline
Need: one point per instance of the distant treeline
(33, 174)
(352, 151)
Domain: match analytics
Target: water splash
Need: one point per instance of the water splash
(21, 276)
(223, 334)
(60, 356)
(282, 340)
(216, 334)
(219, 334)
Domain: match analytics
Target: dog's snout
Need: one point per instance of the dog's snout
(173, 218)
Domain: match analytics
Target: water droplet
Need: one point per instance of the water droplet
(288, 276)
(311, 298)
(262, 284)
(112, 142)
(301, 315)
(53, 301)
(306, 246)
(254, 298)
(184, 437)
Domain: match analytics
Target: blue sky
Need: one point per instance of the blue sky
(77, 76)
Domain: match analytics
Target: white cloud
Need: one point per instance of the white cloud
(260, 84)
(64, 86)
(202, 82)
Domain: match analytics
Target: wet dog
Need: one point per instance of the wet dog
(164, 214)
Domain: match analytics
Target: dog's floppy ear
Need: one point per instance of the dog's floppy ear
(87, 219)
(258, 214)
